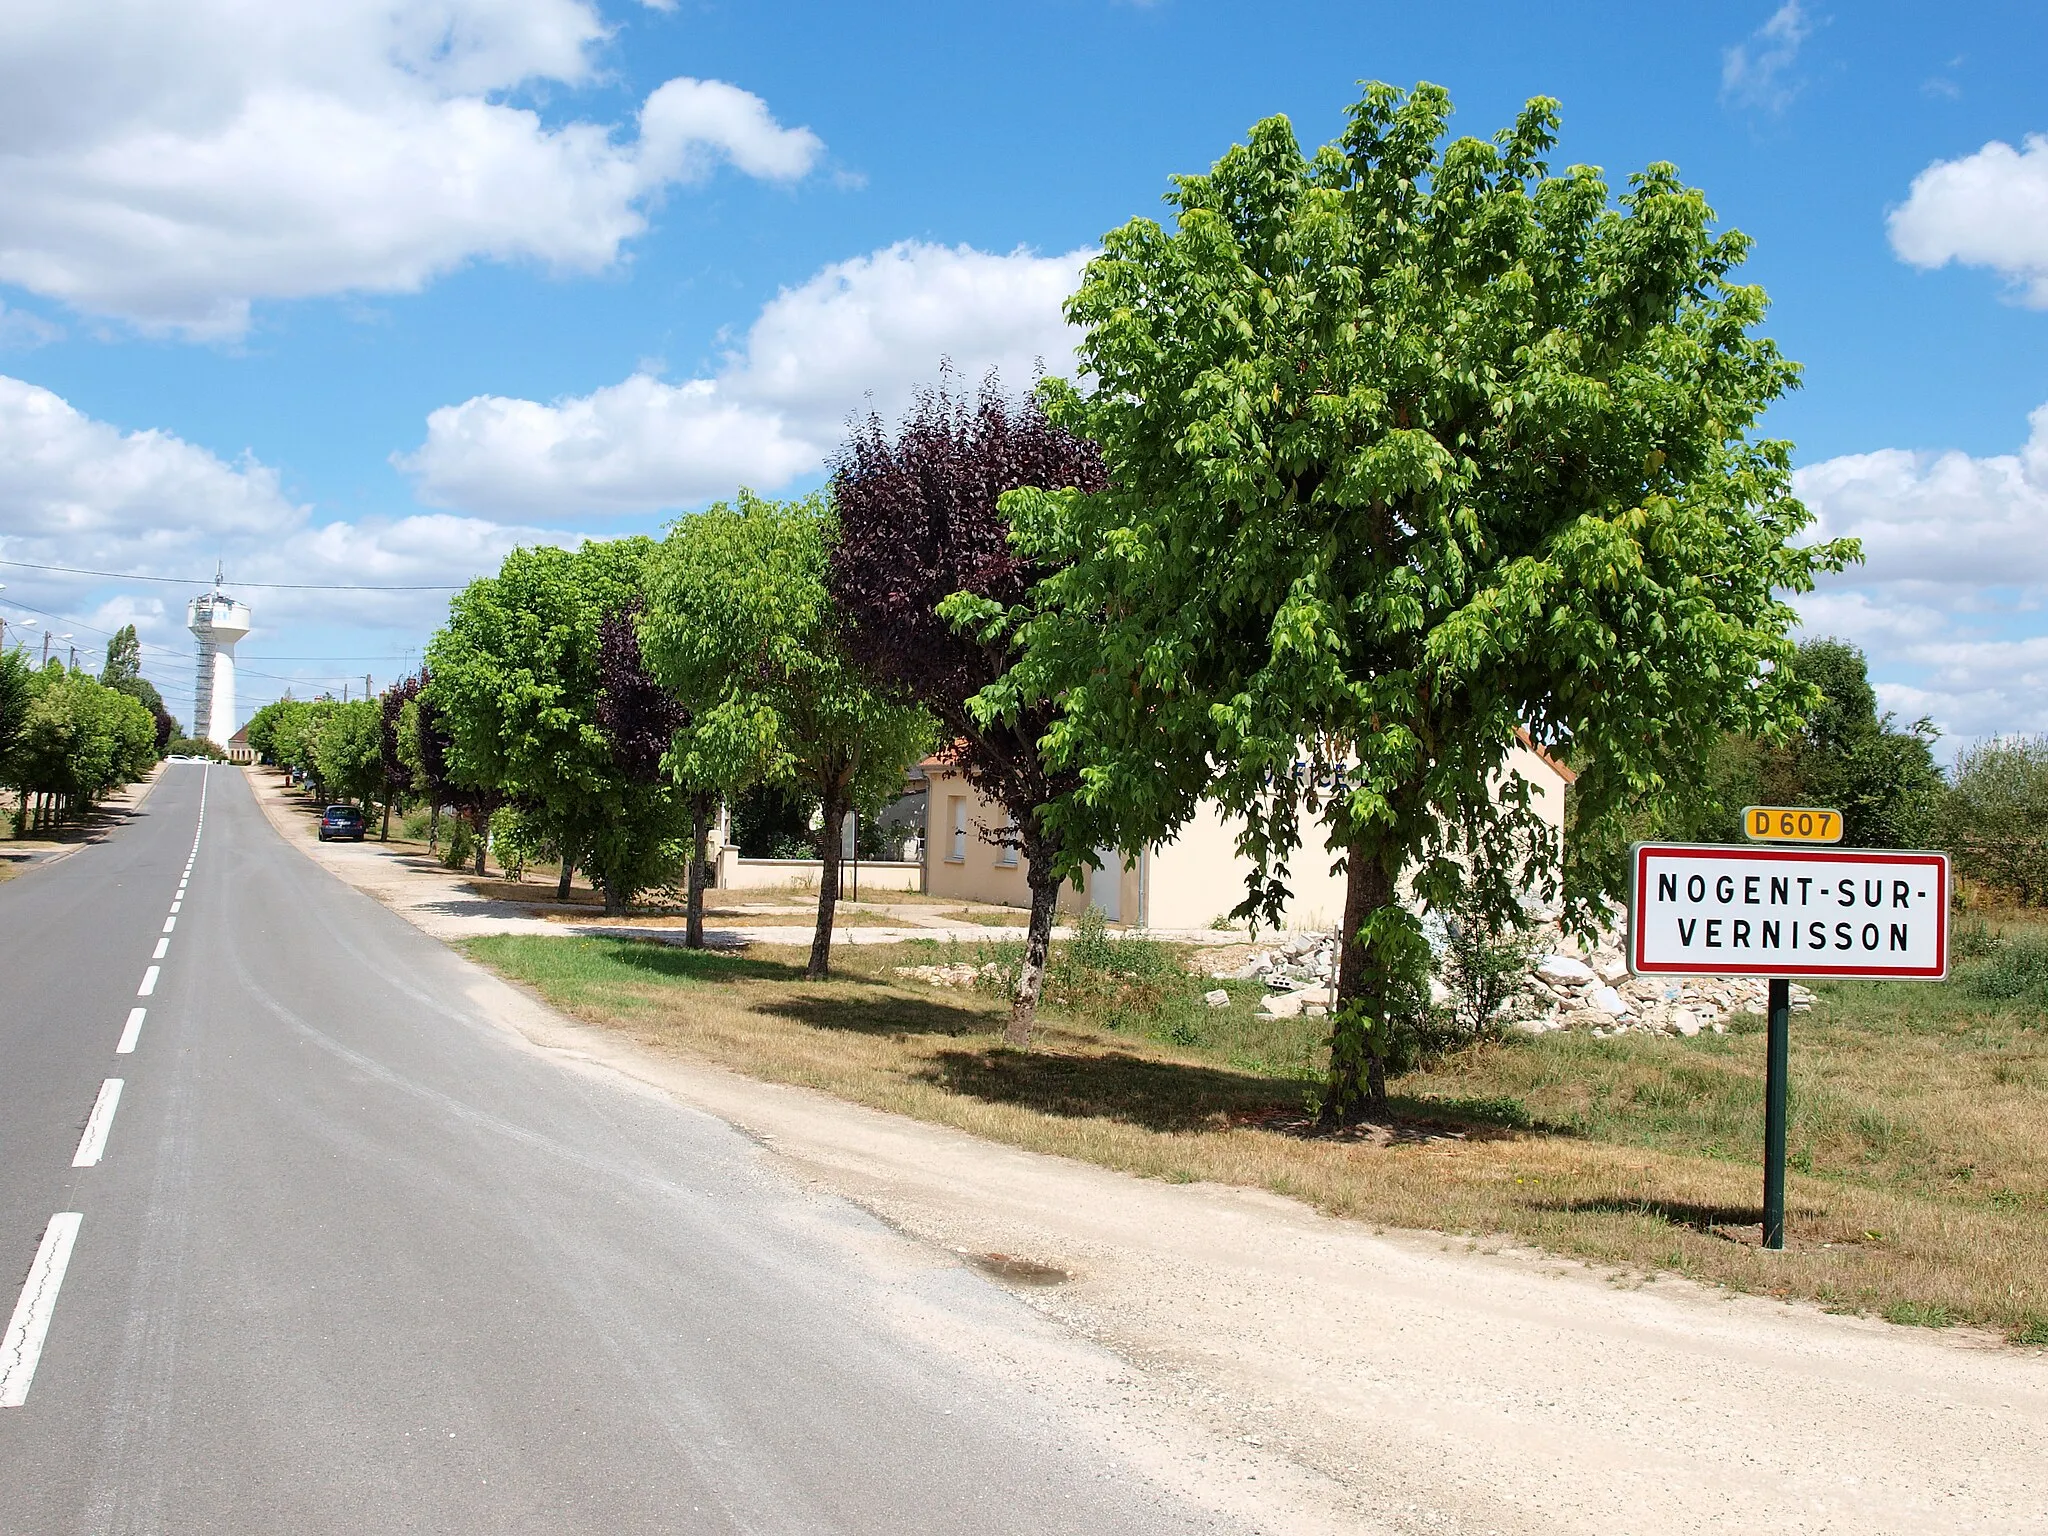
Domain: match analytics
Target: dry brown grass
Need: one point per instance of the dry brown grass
(1922, 1185)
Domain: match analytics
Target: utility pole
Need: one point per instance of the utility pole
(366, 685)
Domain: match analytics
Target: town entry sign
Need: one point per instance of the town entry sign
(1699, 910)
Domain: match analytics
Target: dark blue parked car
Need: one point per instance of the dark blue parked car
(342, 821)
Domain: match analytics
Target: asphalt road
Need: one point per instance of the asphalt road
(352, 1258)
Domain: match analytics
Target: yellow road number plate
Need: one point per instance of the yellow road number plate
(1790, 824)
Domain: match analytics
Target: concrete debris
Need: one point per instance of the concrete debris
(1217, 999)
(1564, 971)
(960, 975)
(1570, 985)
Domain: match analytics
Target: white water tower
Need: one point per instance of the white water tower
(218, 621)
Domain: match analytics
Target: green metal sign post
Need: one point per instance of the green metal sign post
(1777, 1067)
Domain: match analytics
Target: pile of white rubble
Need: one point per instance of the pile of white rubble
(960, 974)
(1567, 987)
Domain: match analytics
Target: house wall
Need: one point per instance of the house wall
(876, 875)
(962, 865)
(1187, 882)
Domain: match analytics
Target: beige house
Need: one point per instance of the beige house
(1186, 883)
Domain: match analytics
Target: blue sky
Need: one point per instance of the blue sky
(368, 292)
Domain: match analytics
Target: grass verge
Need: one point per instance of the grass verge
(1920, 1183)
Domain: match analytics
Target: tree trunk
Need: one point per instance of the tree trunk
(434, 827)
(1045, 900)
(1358, 1044)
(700, 842)
(385, 835)
(828, 881)
(615, 903)
(568, 874)
(483, 845)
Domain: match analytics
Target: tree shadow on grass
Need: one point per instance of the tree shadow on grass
(885, 1015)
(1701, 1216)
(1157, 1095)
(672, 962)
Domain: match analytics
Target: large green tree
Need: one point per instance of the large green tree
(515, 676)
(1880, 775)
(349, 753)
(741, 628)
(123, 673)
(1411, 445)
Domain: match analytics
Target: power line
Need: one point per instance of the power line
(268, 586)
(181, 655)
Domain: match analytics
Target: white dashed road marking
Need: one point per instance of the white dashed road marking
(94, 1142)
(22, 1345)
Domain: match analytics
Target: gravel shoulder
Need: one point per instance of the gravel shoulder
(1397, 1380)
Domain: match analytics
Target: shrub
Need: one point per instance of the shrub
(1974, 939)
(458, 847)
(2017, 969)
(1485, 969)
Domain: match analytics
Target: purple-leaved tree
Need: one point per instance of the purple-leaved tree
(919, 520)
(641, 718)
(398, 778)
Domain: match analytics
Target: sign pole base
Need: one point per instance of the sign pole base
(1778, 1063)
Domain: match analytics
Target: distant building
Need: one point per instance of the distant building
(238, 749)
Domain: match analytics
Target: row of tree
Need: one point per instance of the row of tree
(67, 739)
(1378, 456)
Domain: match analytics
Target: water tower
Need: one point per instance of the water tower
(219, 621)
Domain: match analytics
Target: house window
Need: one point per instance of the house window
(1006, 851)
(956, 809)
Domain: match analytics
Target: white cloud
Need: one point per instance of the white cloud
(1754, 72)
(1950, 599)
(1989, 209)
(83, 493)
(170, 164)
(860, 333)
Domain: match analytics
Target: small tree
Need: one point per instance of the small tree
(1995, 815)
(1411, 445)
(918, 521)
(740, 625)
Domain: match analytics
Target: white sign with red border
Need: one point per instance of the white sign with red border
(1705, 910)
